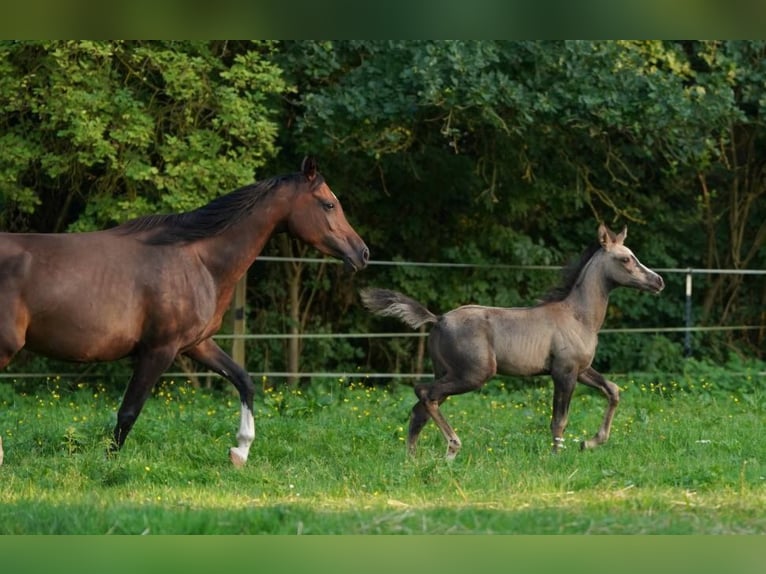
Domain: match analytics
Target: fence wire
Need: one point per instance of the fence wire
(357, 375)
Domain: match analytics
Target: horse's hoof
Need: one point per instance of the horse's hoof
(236, 459)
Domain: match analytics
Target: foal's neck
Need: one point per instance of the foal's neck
(590, 295)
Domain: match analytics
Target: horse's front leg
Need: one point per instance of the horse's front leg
(212, 356)
(149, 365)
(592, 378)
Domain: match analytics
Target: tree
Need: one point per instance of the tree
(100, 132)
(518, 148)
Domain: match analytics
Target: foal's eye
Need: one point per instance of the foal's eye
(625, 260)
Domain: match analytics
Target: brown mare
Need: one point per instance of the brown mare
(470, 344)
(158, 286)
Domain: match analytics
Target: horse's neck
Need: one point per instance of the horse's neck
(229, 254)
(590, 295)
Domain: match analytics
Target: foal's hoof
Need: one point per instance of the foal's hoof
(589, 444)
(236, 457)
(453, 449)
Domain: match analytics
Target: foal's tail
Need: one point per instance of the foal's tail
(393, 304)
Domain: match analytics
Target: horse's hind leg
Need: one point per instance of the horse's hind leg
(11, 340)
(592, 378)
(211, 355)
(149, 365)
(12, 330)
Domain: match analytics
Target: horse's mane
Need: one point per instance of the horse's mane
(211, 219)
(569, 275)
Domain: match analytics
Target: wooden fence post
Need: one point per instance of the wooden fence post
(238, 343)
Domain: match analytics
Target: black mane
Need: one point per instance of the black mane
(211, 219)
(569, 275)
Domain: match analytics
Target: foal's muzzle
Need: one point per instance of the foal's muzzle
(656, 283)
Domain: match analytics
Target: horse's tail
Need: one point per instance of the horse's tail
(393, 304)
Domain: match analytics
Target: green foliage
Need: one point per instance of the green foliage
(120, 129)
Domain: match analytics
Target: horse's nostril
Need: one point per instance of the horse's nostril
(365, 255)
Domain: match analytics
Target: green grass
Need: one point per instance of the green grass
(685, 457)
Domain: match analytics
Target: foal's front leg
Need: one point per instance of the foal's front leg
(564, 382)
(593, 378)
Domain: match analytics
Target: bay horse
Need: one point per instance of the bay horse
(558, 337)
(158, 286)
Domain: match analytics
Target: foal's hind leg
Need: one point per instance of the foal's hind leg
(592, 378)
(418, 419)
(434, 394)
(211, 355)
(431, 396)
(464, 360)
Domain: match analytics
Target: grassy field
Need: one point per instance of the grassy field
(686, 457)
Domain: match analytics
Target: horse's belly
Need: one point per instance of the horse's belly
(75, 342)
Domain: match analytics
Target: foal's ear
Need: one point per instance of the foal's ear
(605, 236)
(309, 167)
(622, 235)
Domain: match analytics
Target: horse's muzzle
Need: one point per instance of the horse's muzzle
(358, 261)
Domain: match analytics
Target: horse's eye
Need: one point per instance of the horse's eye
(625, 260)
(328, 205)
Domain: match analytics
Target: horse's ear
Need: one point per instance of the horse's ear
(309, 167)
